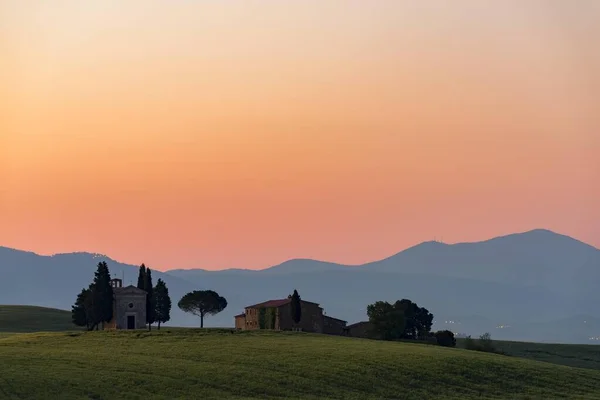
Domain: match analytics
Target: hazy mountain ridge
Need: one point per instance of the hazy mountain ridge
(538, 257)
(523, 279)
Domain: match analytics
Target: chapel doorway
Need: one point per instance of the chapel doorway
(131, 322)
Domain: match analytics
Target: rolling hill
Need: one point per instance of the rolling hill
(34, 319)
(214, 364)
(526, 283)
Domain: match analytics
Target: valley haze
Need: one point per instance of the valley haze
(536, 286)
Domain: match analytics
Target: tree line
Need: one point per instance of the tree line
(405, 320)
(158, 302)
(401, 320)
(94, 305)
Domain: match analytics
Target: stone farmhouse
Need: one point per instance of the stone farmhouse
(359, 329)
(129, 307)
(276, 314)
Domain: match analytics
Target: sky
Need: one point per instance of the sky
(219, 134)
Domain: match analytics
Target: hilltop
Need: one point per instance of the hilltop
(217, 364)
(528, 283)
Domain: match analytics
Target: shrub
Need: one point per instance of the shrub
(445, 338)
(271, 317)
(484, 343)
(470, 343)
(430, 338)
(262, 318)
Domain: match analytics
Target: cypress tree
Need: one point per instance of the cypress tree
(150, 313)
(296, 307)
(89, 302)
(141, 283)
(102, 295)
(79, 312)
(162, 301)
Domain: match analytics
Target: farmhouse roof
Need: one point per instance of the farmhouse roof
(358, 324)
(277, 303)
(271, 303)
(337, 319)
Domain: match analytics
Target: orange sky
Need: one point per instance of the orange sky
(243, 133)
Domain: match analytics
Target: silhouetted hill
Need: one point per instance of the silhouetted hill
(524, 281)
(536, 258)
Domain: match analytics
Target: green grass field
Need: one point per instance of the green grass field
(193, 363)
(34, 319)
(572, 355)
(218, 364)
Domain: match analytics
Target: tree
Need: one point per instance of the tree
(162, 302)
(80, 312)
(445, 338)
(92, 315)
(94, 305)
(409, 310)
(150, 317)
(388, 321)
(102, 295)
(423, 321)
(401, 320)
(141, 283)
(202, 303)
(295, 307)
(418, 320)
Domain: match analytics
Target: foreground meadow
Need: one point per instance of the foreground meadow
(219, 364)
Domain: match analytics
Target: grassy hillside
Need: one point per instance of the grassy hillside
(572, 355)
(218, 364)
(34, 319)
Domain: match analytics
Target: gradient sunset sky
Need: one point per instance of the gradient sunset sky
(217, 134)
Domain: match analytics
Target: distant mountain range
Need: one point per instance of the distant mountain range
(537, 285)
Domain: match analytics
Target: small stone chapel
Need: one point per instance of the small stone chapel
(129, 307)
